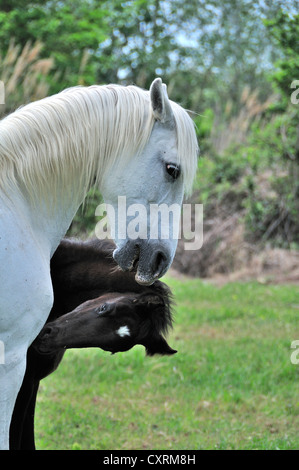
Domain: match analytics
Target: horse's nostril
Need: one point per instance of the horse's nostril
(136, 257)
(159, 263)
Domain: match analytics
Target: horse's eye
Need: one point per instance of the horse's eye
(103, 308)
(173, 170)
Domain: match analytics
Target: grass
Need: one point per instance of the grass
(231, 385)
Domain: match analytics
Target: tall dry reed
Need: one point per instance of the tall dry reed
(24, 75)
(232, 128)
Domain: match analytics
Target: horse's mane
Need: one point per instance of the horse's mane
(82, 130)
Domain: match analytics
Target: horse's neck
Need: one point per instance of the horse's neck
(50, 224)
(51, 181)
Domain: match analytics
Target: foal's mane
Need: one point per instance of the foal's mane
(161, 318)
(81, 131)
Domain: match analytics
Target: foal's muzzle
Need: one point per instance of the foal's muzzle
(45, 343)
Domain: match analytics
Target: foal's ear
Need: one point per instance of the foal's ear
(151, 299)
(159, 345)
(160, 102)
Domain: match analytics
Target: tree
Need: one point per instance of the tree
(284, 30)
(67, 29)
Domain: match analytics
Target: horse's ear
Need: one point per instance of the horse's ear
(160, 102)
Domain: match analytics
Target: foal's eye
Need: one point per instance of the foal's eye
(173, 170)
(101, 309)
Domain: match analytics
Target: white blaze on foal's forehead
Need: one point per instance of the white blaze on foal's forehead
(123, 331)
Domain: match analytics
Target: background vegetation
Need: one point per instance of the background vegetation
(232, 64)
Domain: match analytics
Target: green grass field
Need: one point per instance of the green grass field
(231, 385)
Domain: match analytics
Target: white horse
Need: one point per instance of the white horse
(125, 140)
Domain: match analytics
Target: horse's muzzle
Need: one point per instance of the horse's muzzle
(150, 259)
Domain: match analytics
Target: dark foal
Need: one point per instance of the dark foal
(108, 309)
(114, 322)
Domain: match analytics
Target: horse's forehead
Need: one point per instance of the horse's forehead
(163, 136)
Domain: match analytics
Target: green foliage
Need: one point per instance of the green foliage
(260, 175)
(266, 164)
(284, 29)
(204, 123)
(84, 222)
(141, 40)
(274, 217)
(66, 30)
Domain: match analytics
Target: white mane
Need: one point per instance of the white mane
(82, 130)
